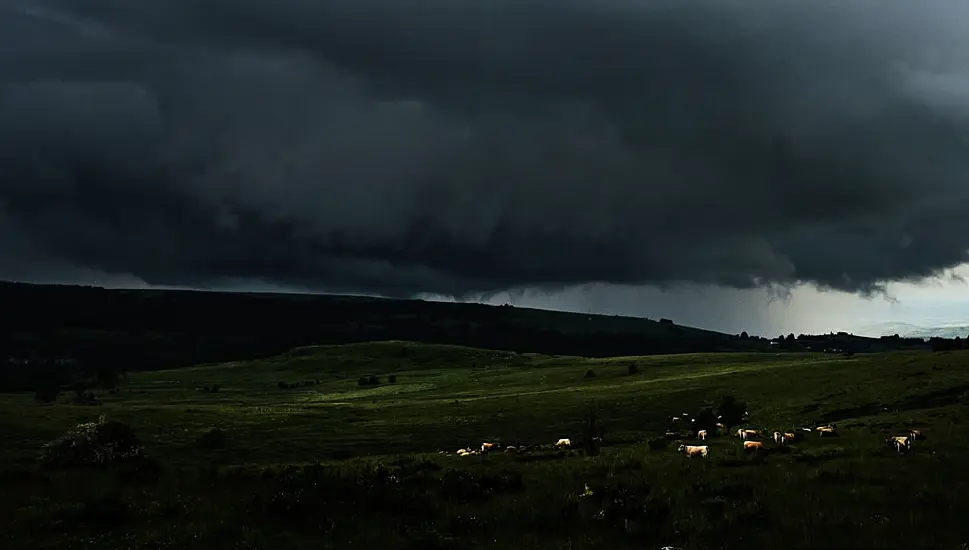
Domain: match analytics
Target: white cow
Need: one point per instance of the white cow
(826, 431)
(748, 434)
(900, 442)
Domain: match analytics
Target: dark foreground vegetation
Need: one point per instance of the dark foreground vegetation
(338, 447)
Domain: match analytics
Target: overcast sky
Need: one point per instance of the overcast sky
(712, 161)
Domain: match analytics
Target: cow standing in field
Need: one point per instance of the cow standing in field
(704, 420)
(827, 431)
(900, 443)
(753, 446)
(746, 434)
(694, 450)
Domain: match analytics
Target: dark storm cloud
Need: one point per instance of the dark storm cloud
(467, 147)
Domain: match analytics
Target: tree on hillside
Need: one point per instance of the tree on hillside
(79, 386)
(706, 419)
(47, 394)
(744, 335)
(107, 378)
(731, 411)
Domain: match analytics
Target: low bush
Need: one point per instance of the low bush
(92, 444)
(212, 439)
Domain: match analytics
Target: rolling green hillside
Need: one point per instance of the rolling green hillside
(152, 329)
(310, 456)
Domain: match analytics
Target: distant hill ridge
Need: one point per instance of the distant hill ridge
(130, 330)
(909, 330)
(152, 329)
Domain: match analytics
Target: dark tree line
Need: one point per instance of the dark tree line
(947, 344)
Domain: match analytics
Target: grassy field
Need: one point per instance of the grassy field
(325, 462)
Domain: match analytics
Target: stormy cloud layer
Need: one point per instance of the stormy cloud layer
(466, 147)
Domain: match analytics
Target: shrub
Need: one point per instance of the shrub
(392, 379)
(590, 374)
(633, 368)
(47, 395)
(92, 444)
(144, 470)
(102, 512)
(731, 411)
(212, 439)
(705, 419)
(86, 398)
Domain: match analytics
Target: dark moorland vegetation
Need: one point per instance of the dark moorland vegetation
(293, 451)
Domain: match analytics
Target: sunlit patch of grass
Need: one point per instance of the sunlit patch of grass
(378, 391)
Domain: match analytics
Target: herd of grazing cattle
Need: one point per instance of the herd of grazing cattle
(486, 448)
(751, 439)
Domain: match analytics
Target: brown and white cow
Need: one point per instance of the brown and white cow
(827, 431)
(900, 442)
(694, 450)
(753, 446)
(745, 434)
